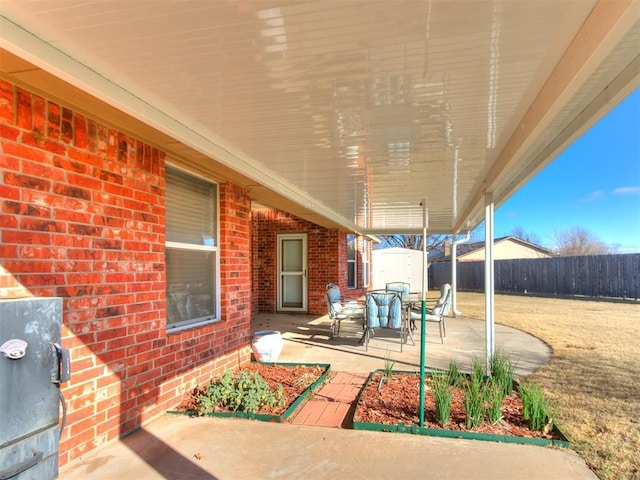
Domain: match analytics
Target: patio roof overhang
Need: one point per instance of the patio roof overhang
(346, 113)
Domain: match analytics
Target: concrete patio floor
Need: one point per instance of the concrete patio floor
(179, 447)
(306, 340)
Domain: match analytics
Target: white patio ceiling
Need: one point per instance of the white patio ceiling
(343, 112)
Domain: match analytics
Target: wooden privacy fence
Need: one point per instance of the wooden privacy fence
(592, 275)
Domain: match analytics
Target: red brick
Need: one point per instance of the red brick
(40, 225)
(66, 126)
(80, 131)
(24, 110)
(27, 182)
(26, 238)
(7, 103)
(9, 132)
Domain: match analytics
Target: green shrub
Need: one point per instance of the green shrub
(243, 392)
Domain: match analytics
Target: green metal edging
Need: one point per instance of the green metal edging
(264, 417)
(444, 433)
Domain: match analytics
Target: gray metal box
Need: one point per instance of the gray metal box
(29, 411)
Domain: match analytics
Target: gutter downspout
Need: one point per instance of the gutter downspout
(454, 272)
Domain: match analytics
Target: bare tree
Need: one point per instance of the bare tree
(519, 232)
(414, 242)
(579, 241)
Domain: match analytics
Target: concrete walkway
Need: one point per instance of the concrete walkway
(182, 448)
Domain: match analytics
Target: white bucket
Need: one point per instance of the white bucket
(267, 345)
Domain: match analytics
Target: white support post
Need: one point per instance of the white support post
(454, 271)
(454, 275)
(489, 309)
(425, 262)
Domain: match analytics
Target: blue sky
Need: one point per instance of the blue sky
(594, 184)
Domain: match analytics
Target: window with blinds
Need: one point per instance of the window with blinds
(191, 249)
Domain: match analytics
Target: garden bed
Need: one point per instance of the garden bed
(394, 408)
(296, 381)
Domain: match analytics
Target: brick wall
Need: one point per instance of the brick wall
(82, 218)
(235, 241)
(326, 260)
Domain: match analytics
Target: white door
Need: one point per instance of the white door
(292, 272)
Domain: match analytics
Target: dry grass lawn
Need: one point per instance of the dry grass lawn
(593, 377)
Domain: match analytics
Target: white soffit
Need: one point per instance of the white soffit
(354, 110)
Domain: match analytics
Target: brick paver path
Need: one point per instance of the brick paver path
(333, 404)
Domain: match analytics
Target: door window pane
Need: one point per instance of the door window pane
(291, 255)
(292, 291)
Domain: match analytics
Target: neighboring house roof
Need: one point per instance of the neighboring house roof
(502, 247)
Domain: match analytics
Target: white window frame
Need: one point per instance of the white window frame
(352, 261)
(213, 248)
(366, 269)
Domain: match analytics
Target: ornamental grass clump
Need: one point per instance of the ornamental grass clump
(494, 395)
(244, 392)
(478, 374)
(388, 366)
(536, 407)
(502, 372)
(442, 396)
(387, 372)
(453, 374)
(474, 396)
